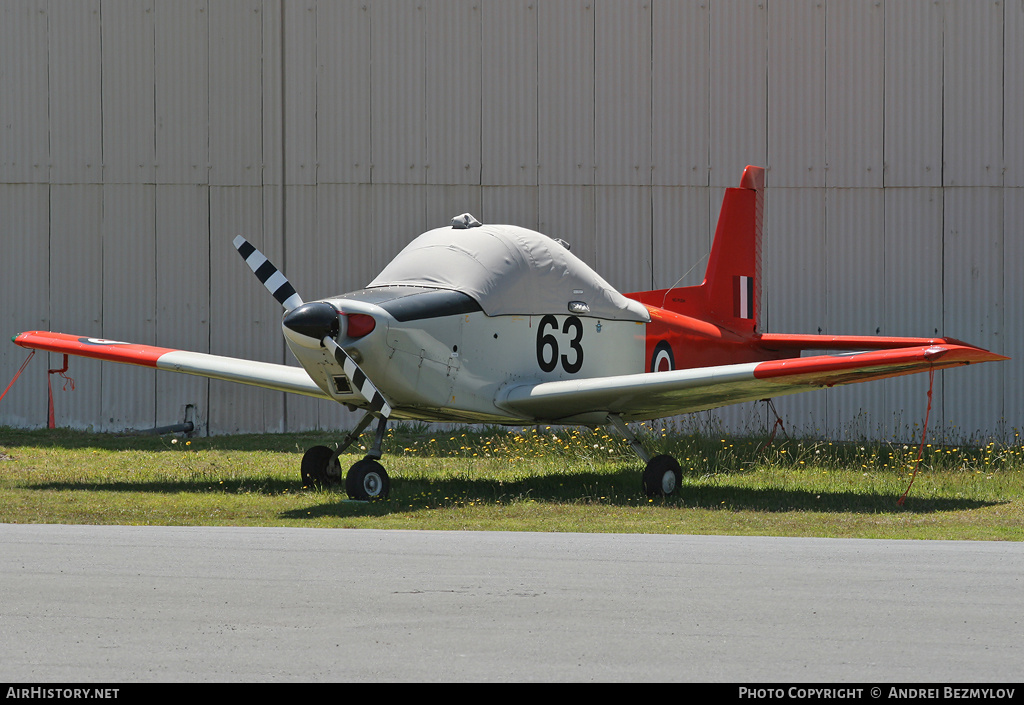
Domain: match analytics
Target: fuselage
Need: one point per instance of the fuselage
(436, 356)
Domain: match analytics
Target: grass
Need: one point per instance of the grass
(533, 480)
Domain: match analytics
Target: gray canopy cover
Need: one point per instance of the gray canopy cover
(508, 270)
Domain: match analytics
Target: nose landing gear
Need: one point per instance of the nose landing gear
(366, 480)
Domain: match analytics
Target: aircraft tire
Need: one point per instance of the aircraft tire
(661, 476)
(367, 480)
(316, 467)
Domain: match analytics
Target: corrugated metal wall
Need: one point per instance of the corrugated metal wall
(137, 137)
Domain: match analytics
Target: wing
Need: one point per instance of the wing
(230, 369)
(658, 394)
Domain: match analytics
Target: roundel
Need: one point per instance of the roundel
(101, 341)
(662, 360)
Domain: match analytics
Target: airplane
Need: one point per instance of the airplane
(499, 324)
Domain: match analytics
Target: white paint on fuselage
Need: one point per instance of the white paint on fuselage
(452, 368)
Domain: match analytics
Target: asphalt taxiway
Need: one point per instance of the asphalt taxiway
(136, 604)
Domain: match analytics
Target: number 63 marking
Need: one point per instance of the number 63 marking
(547, 344)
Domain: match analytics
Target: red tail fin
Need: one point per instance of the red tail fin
(732, 281)
(731, 293)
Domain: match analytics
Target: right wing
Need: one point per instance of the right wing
(657, 394)
(282, 378)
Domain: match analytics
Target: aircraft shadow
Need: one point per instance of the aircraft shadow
(622, 489)
(236, 485)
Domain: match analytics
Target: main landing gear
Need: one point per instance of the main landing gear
(662, 474)
(366, 479)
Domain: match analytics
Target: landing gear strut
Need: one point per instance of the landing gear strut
(662, 474)
(366, 479)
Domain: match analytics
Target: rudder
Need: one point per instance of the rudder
(732, 281)
(730, 295)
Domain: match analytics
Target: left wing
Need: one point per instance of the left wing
(657, 394)
(282, 378)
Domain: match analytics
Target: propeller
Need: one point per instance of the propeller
(318, 321)
(272, 278)
(360, 382)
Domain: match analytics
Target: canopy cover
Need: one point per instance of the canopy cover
(508, 270)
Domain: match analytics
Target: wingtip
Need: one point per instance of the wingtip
(969, 354)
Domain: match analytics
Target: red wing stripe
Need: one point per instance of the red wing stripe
(283, 378)
(98, 348)
(825, 369)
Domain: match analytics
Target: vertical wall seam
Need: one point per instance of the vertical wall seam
(650, 141)
(156, 269)
(208, 187)
(536, 110)
(282, 352)
(942, 195)
(103, 203)
(1002, 203)
(480, 103)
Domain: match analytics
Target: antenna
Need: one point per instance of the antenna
(665, 297)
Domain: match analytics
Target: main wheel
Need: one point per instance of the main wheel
(319, 467)
(367, 480)
(661, 477)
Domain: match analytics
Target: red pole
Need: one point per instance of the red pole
(49, 390)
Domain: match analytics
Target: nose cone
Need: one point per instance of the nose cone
(315, 320)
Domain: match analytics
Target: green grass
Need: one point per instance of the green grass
(536, 480)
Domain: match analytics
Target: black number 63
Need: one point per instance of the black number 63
(547, 344)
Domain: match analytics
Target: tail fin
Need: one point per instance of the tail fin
(732, 281)
(730, 296)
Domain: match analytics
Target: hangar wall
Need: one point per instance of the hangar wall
(137, 137)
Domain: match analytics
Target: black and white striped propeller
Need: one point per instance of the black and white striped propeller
(360, 382)
(272, 278)
(317, 320)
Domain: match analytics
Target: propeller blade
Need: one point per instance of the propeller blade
(276, 282)
(361, 383)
